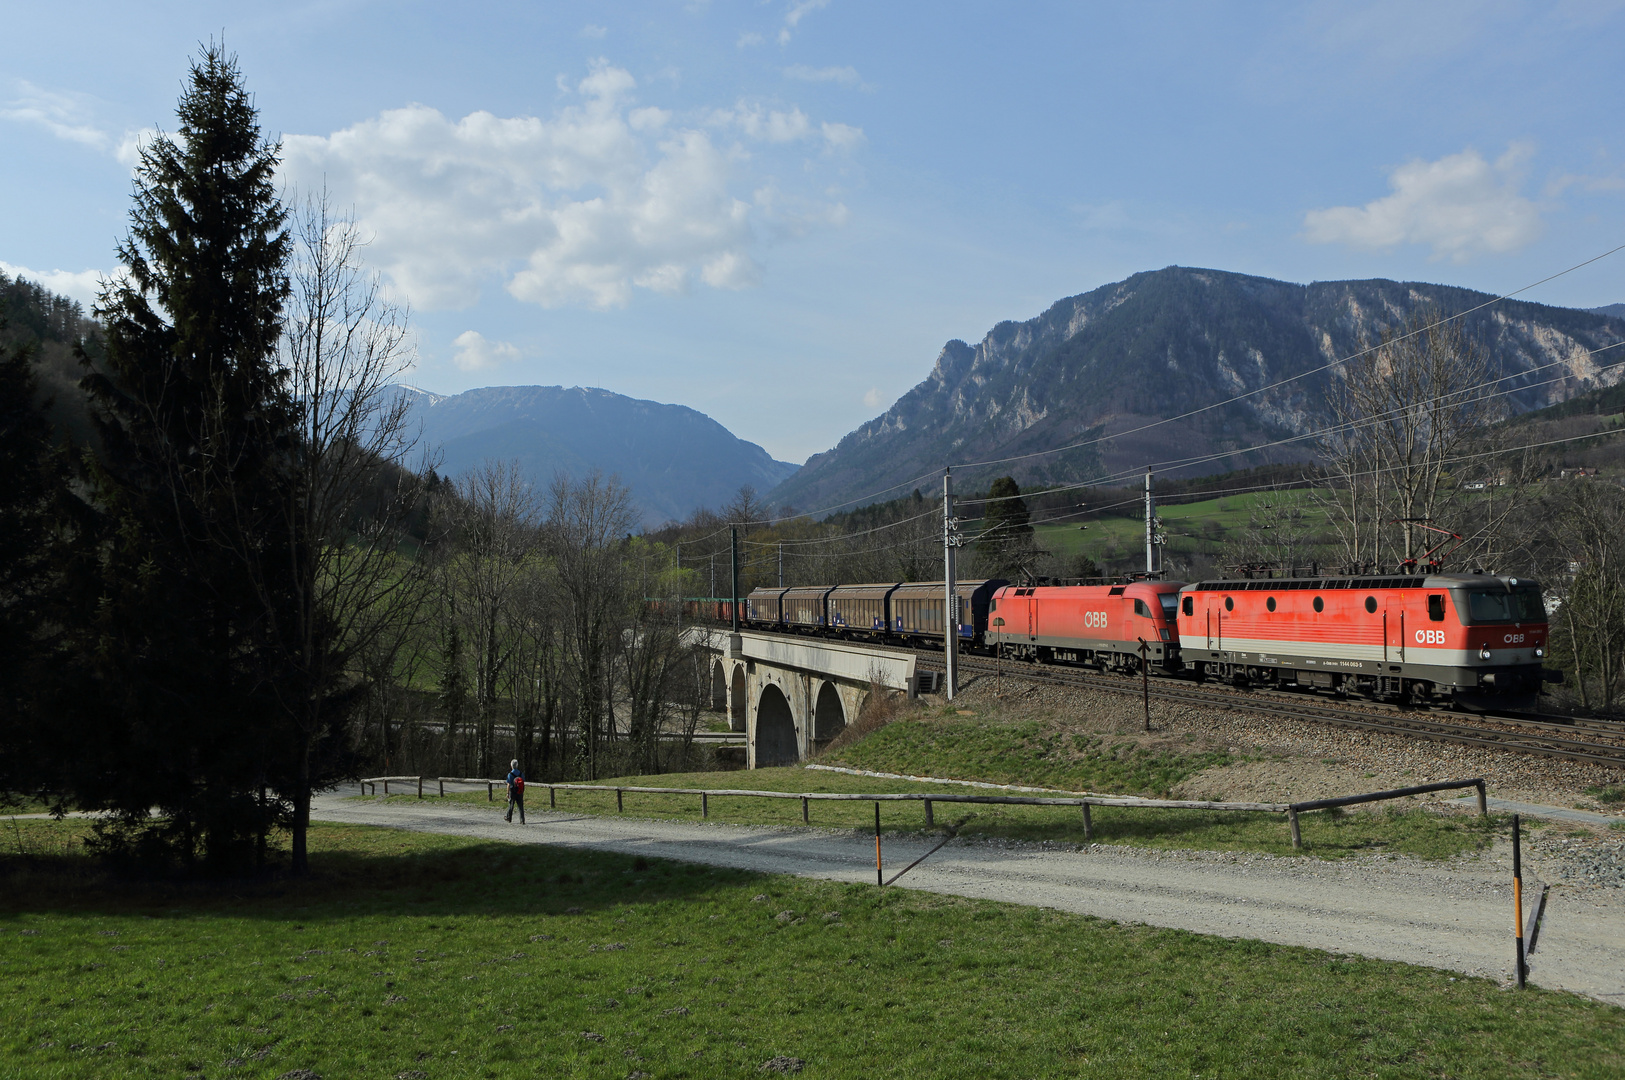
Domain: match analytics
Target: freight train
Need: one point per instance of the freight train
(907, 612)
(1467, 640)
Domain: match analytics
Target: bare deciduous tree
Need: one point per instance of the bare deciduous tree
(588, 521)
(1405, 411)
(1586, 522)
(352, 498)
(496, 535)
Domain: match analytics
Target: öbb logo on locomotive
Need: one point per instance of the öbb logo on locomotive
(1485, 634)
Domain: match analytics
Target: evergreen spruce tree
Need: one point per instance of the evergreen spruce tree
(31, 479)
(178, 708)
(1005, 546)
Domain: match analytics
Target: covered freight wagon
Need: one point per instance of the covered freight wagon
(916, 609)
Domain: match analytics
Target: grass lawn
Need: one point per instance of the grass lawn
(1193, 527)
(414, 956)
(1409, 832)
(1025, 750)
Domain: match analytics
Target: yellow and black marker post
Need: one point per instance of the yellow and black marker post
(1517, 899)
(879, 880)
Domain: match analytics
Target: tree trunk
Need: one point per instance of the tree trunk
(301, 811)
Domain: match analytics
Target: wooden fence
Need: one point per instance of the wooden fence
(1084, 802)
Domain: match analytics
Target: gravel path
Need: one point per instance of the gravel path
(1455, 916)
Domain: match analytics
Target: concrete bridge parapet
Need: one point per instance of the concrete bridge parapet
(792, 695)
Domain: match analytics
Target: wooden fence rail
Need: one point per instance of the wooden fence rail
(1084, 802)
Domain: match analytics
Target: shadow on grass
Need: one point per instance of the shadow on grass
(353, 868)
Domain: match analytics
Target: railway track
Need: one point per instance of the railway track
(1518, 734)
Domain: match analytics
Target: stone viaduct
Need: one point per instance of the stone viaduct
(791, 695)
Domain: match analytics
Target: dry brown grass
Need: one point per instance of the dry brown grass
(881, 706)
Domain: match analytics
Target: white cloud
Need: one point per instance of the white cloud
(71, 117)
(65, 115)
(798, 10)
(768, 125)
(784, 126)
(80, 285)
(748, 39)
(591, 31)
(872, 398)
(583, 207)
(475, 353)
(1460, 205)
(1614, 181)
(842, 136)
(845, 76)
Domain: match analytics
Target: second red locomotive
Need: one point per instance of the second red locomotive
(1466, 639)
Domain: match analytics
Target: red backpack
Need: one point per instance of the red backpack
(519, 785)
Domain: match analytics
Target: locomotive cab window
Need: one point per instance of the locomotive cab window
(1141, 609)
(1517, 605)
(1270, 603)
(1436, 607)
(1190, 606)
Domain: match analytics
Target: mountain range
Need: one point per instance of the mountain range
(673, 458)
(1098, 368)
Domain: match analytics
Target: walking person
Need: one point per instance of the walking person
(516, 792)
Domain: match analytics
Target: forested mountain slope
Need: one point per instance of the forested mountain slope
(673, 458)
(1163, 343)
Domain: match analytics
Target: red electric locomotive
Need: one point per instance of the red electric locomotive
(1101, 625)
(1475, 640)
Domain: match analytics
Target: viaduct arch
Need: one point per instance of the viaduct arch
(791, 696)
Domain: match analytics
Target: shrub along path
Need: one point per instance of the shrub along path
(1454, 915)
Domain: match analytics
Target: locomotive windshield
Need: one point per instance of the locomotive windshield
(1503, 605)
(1170, 605)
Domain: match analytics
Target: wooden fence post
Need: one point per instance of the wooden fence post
(705, 804)
(442, 787)
(929, 818)
(1088, 826)
(552, 797)
(619, 806)
(420, 787)
(1483, 801)
(1292, 820)
(490, 791)
(386, 786)
(804, 820)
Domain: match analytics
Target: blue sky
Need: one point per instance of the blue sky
(777, 212)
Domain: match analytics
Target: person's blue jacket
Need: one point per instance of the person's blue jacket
(515, 774)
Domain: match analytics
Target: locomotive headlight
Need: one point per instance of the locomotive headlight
(1539, 652)
(1484, 653)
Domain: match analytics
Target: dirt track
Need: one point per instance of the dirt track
(1455, 916)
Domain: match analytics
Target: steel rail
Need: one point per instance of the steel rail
(1435, 731)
